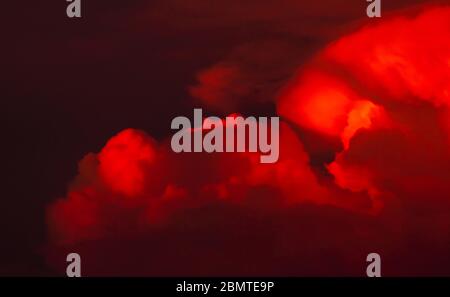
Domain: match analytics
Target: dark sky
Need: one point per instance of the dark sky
(68, 85)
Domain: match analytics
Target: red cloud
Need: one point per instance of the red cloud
(381, 93)
(388, 79)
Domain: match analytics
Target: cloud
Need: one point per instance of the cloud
(380, 95)
(386, 85)
(250, 76)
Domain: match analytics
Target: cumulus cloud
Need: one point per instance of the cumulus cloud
(381, 94)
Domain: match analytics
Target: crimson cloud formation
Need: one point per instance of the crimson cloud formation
(364, 167)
